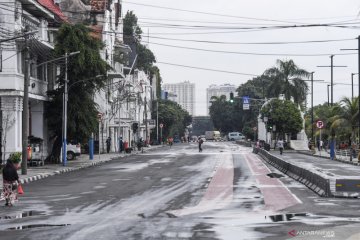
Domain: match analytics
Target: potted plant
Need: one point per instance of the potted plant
(15, 158)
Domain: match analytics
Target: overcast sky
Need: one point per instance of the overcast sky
(162, 22)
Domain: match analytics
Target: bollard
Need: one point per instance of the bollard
(91, 147)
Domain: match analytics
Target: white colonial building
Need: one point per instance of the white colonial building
(41, 18)
(126, 102)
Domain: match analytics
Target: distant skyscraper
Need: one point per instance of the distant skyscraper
(217, 91)
(185, 95)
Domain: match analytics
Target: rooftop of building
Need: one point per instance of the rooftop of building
(51, 6)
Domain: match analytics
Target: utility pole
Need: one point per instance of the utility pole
(328, 94)
(352, 85)
(157, 120)
(332, 77)
(146, 121)
(65, 100)
(65, 110)
(25, 114)
(312, 107)
(312, 103)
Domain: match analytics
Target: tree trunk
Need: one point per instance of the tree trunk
(54, 156)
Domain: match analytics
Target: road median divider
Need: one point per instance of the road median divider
(314, 181)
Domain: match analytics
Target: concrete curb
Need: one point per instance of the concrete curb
(27, 180)
(58, 172)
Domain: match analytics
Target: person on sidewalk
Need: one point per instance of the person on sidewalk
(321, 145)
(280, 145)
(108, 144)
(121, 145)
(10, 183)
(318, 145)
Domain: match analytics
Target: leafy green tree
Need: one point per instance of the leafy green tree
(327, 114)
(82, 68)
(172, 116)
(155, 71)
(284, 115)
(131, 27)
(132, 37)
(287, 78)
(346, 120)
(226, 116)
(255, 88)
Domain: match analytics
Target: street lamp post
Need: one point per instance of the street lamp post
(265, 121)
(312, 103)
(312, 106)
(157, 120)
(146, 115)
(328, 94)
(65, 100)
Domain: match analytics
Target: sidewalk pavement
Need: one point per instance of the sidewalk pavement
(82, 161)
(338, 157)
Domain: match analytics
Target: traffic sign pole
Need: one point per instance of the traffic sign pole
(161, 138)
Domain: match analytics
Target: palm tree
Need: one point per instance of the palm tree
(287, 78)
(346, 119)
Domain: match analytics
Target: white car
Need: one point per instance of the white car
(233, 136)
(72, 150)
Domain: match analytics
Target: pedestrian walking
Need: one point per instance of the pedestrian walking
(280, 145)
(171, 141)
(200, 143)
(10, 183)
(318, 144)
(321, 145)
(108, 144)
(121, 145)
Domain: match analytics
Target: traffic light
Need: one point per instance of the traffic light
(135, 127)
(231, 97)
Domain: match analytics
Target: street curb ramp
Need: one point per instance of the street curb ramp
(315, 182)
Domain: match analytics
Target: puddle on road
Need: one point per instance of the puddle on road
(275, 175)
(285, 217)
(23, 227)
(24, 215)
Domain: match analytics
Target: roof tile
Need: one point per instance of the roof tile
(51, 6)
(98, 5)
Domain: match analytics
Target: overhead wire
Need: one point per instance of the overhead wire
(252, 43)
(207, 69)
(208, 13)
(251, 53)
